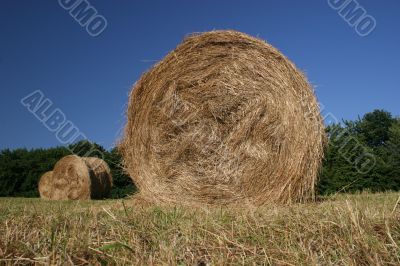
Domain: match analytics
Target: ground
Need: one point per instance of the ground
(359, 229)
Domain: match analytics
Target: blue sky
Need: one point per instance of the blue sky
(89, 78)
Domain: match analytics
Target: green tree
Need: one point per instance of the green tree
(123, 184)
(374, 127)
(392, 155)
(21, 169)
(377, 135)
(85, 148)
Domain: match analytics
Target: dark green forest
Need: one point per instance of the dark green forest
(360, 155)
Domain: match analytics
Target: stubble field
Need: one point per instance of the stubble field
(359, 229)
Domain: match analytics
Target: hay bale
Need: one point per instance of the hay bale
(224, 118)
(80, 178)
(45, 185)
(100, 177)
(71, 179)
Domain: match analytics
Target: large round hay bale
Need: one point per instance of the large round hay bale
(81, 178)
(224, 118)
(45, 185)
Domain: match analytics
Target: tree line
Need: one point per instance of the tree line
(363, 154)
(21, 169)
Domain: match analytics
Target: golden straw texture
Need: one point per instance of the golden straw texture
(224, 118)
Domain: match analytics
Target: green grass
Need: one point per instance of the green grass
(346, 230)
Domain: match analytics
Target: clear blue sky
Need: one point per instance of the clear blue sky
(88, 78)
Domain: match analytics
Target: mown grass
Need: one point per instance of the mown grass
(347, 230)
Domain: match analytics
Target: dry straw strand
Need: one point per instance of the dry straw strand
(224, 118)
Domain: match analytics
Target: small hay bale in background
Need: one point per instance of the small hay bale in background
(71, 179)
(224, 118)
(100, 177)
(80, 178)
(45, 185)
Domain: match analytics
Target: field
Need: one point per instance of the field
(359, 229)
